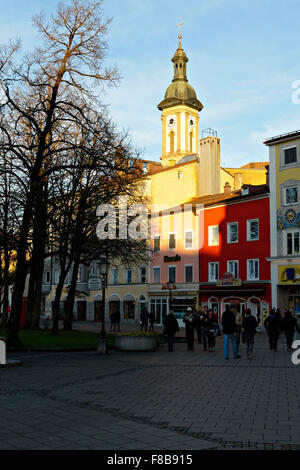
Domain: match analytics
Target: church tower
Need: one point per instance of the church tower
(180, 114)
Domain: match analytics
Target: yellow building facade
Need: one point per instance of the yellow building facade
(284, 154)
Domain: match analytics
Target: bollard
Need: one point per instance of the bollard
(2, 351)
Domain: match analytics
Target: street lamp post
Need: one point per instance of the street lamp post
(170, 286)
(102, 343)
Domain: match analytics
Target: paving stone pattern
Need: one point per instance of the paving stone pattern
(183, 400)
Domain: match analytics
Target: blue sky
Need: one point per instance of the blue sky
(243, 59)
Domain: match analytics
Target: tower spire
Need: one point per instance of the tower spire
(179, 35)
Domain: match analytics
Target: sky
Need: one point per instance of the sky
(243, 61)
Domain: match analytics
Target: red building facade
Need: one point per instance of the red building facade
(233, 259)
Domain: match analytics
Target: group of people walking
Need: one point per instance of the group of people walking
(236, 327)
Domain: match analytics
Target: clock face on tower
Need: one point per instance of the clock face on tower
(171, 122)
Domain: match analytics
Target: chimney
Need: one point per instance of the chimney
(227, 188)
(238, 180)
(267, 175)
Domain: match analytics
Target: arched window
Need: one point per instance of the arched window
(191, 141)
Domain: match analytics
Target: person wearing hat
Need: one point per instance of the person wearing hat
(170, 328)
(189, 320)
(249, 325)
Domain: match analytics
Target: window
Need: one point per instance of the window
(143, 274)
(188, 239)
(172, 241)
(290, 156)
(56, 276)
(115, 276)
(292, 239)
(189, 273)
(233, 268)
(128, 276)
(157, 243)
(232, 232)
(180, 176)
(80, 275)
(172, 273)
(213, 272)
(291, 195)
(47, 277)
(213, 235)
(156, 275)
(252, 269)
(252, 230)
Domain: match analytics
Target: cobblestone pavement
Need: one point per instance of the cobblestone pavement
(155, 400)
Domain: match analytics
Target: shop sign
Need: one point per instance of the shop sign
(172, 258)
(228, 280)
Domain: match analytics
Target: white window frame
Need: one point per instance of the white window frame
(157, 268)
(209, 271)
(172, 249)
(229, 233)
(291, 230)
(236, 261)
(189, 266)
(285, 191)
(156, 237)
(249, 231)
(172, 266)
(189, 247)
(248, 269)
(210, 231)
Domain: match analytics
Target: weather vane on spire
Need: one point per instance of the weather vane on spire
(179, 35)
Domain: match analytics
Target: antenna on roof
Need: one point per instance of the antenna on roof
(209, 131)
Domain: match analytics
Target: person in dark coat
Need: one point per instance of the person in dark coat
(210, 331)
(203, 320)
(197, 326)
(113, 321)
(144, 317)
(170, 328)
(289, 326)
(117, 318)
(272, 325)
(229, 332)
(189, 320)
(151, 321)
(249, 325)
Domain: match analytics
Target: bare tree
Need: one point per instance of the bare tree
(41, 97)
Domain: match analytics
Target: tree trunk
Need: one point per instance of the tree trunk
(71, 297)
(13, 325)
(37, 261)
(56, 304)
